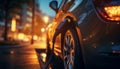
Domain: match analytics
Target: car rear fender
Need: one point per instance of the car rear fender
(77, 29)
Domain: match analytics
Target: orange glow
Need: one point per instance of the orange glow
(41, 45)
(113, 12)
(33, 56)
(13, 25)
(35, 37)
(42, 29)
(21, 36)
(46, 19)
(26, 39)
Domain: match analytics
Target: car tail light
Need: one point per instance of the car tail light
(108, 9)
(113, 12)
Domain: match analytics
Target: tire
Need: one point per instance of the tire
(71, 50)
(56, 61)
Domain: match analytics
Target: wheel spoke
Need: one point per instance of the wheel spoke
(68, 61)
(65, 49)
(68, 51)
(68, 40)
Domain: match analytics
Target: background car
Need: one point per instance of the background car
(84, 35)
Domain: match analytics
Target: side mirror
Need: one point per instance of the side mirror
(54, 5)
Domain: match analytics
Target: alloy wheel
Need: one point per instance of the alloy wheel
(69, 50)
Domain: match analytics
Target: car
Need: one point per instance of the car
(84, 34)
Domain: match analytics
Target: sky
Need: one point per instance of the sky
(44, 7)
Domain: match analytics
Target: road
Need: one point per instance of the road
(22, 57)
(25, 57)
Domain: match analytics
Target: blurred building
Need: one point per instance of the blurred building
(21, 11)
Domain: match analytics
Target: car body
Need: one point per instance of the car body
(84, 34)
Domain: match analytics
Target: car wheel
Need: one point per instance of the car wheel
(56, 61)
(72, 56)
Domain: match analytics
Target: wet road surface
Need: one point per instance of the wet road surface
(18, 58)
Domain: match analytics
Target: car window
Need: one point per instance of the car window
(76, 3)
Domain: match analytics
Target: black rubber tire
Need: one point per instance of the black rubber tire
(78, 62)
(56, 61)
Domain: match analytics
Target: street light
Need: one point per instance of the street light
(46, 19)
(13, 25)
(42, 30)
(13, 28)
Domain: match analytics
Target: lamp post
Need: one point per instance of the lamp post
(33, 17)
(6, 21)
